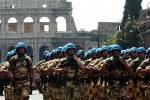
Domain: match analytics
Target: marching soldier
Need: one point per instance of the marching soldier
(134, 80)
(20, 70)
(143, 71)
(44, 77)
(8, 89)
(80, 54)
(71, 66)
(116, 68)
(133, 54)
(4, 78)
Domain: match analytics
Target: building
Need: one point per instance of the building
(37, 34)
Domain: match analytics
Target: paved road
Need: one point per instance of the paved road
(35, 96)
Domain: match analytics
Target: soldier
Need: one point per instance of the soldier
(80, 54)
(133, 54)
(40, 78)
(116, 68)
(4, 79)
(8, 89)
(98, 52)
(71, 66)
(135, 78)
(141, 57)
(145, 76)
(20, 70)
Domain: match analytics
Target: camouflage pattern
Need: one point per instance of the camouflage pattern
(21, 70)
(5, 79)
(102, 79)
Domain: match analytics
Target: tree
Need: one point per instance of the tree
(132, 7)
(131, 34)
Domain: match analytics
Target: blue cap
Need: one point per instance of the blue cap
(104, 48)
(141, 49)
(59, 49)
(48, 54)
(133, 49)
(98, 50)
(115, 47)
(93, 50)
(123, 52)
(148, 50)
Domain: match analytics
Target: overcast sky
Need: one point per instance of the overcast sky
(87, 13)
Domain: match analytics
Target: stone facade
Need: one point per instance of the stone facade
(33, 33)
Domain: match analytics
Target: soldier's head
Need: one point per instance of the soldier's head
(148, 52)
(122, 54)
(109, 50)
(10, 54)
(70, 49)
(80, 54)
(133, 52)
(104, 51)
(59, 52)
(53, 54)
(44, 54)
(116, 50)
(141, 52)
(48, 56)
(64, 52)
(21, 48)
(87, 55)
(98, 52)
(93, 53)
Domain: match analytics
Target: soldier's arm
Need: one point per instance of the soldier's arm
(31, 72)
(80, 64)
(141, 69)
(127, 67)
(10, 70)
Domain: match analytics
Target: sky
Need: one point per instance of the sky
(87, 13)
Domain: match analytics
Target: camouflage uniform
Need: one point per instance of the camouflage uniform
(5, 80)
(21, 70)
(44, 78)
(86, 81)
(71, 79)
(144, 78)
(135, 81)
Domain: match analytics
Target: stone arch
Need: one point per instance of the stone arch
(61, 23)
(44, 24)
(12, 24)
(29, 52)
(42, 49)
(28, 25)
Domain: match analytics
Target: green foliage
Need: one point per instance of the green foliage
(129, 37)
(132, 7)
(131, 34)
(111, 40)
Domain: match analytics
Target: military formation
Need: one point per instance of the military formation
(65, 73)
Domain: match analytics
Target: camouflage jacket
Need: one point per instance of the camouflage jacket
(20, 68)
